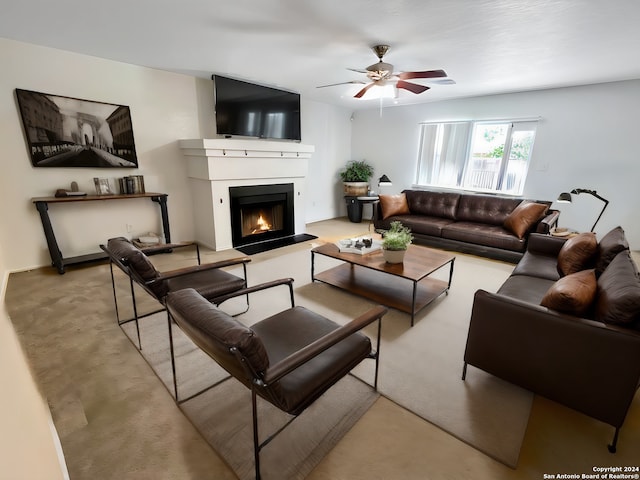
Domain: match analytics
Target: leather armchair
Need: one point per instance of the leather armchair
(210, 280)
(290, 359)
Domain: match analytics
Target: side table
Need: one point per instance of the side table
(354, 206)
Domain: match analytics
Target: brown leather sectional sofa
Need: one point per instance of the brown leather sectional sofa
(584, 350)
(466, 222)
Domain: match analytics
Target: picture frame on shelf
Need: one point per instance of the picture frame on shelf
(103, 186)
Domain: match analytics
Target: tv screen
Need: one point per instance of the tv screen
(250, 110)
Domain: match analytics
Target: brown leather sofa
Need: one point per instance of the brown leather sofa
(584, 350)
(486, 225)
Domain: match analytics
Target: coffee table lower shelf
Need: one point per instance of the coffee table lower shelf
(389, 290)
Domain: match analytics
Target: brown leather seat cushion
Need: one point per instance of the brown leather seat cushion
(483, 234)
(210, 284)
(289, 331)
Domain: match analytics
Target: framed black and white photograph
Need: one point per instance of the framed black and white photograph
(71, 132)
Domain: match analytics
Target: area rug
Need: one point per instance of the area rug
(421, 366)
(222, 414)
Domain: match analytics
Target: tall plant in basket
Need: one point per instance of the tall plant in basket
(355, 177)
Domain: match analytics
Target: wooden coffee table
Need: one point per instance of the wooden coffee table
(404, 286)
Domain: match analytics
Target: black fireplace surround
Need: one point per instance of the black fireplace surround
(261, 213)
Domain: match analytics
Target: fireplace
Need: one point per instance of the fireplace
(260, 213)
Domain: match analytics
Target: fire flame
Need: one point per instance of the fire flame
(261, 225)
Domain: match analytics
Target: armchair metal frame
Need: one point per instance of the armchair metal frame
(240, 361)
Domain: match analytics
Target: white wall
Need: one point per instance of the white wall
(29, 445)
(328, 128)
(586, 138)
(165, 107)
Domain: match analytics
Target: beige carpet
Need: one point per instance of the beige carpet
(223, 414)
(421, 367)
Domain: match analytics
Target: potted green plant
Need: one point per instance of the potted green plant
(395, 242)
(355, 177)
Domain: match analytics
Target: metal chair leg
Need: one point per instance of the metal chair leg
(173, 358)
(135, 312)
(256, 441)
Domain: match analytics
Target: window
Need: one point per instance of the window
(481, 156)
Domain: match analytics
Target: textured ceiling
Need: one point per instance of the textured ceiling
(486, 46)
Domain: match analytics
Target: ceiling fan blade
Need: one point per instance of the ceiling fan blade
(363, 91)
(341, 83)
(412, 87)
(359, 70)
(443, 81)
(425, 74)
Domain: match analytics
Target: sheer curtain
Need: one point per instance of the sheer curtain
(443, 153)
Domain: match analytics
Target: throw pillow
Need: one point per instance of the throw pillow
(573, 294)
(524, 216)
(609, 246)
(577, 253)
(393, 205)
(619, 292)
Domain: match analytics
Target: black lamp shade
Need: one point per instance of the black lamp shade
(564, 197)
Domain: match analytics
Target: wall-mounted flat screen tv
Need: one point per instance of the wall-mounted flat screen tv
(251, 110)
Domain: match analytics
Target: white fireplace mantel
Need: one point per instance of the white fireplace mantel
(214, 165)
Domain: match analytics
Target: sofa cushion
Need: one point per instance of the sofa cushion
(526, 289)
(393, 205)
(483, 234)
(537, 264)
(485, 209)
(577, 253)
(421, 224)
(618, 300)
(573, 294)
(609, 246)
(433, 204)
(524, 217)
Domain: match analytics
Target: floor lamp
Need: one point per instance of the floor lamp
(566, 198)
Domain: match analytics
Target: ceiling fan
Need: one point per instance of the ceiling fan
(381, 74)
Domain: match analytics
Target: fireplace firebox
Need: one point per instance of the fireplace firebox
(261, 213)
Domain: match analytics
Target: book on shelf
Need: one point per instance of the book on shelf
(359, 246)
(131, 184)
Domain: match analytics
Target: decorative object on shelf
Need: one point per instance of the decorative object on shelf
(74, 192)
(355, 177)
(71, 132)
(395, 242)
(565, 197)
